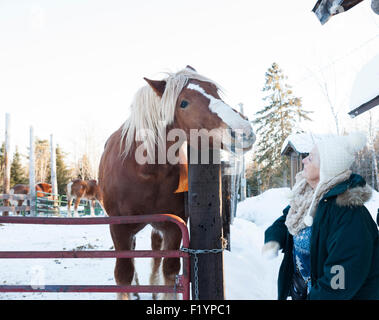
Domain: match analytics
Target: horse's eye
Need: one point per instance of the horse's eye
(184, 104)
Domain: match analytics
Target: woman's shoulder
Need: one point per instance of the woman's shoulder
(352, 192)
(350, 202)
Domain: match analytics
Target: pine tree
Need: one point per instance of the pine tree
(279, 118)
(17, 170)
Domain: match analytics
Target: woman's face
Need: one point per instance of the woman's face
(311, 171)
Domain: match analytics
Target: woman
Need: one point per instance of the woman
(329, 239)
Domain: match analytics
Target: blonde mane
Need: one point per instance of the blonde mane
(150, 114)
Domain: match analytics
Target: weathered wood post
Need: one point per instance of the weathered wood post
(53, 169)
(243, 174)
(227, 216)
(7, 166)
(32, 178)
(204, 206)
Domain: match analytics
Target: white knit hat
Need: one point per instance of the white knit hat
(337, 154)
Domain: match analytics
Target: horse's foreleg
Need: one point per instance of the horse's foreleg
(77, 201)
(156, 244)
(69, 200)
(123, 239)
(92, 207)
(19, 203)
(102, 206)
(135, 278)
(171, 266)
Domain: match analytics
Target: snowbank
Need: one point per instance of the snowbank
(265, 208)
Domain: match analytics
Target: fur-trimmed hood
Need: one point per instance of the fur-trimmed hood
(351, 193)
(353, 197)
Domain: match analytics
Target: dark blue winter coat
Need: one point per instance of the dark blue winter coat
(343, 234)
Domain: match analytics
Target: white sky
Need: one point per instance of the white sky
(71, 68)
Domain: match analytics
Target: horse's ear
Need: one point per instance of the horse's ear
(157, 85)
(191, 68)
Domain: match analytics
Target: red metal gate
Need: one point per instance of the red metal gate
(181, 286)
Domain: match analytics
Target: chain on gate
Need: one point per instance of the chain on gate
(195, 252)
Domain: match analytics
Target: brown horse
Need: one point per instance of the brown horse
(138, 174)
(83, 189)
(43, 190)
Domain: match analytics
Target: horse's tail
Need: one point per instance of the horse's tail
(68, 193)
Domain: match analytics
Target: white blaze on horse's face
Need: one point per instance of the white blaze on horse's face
(241, 133)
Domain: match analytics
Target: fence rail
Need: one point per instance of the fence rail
(183, 280)
(6, 198)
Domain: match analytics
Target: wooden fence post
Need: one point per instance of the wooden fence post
(204, 206)
(7, 166)
(32, 178)
(53, 167)
(227, 216)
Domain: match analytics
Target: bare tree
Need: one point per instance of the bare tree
(87, 150)
(366, 163)
(84, 169)
(42, 160)
(371, 143)
(326, 90)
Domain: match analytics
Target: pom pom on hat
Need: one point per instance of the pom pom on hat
(337, 153)
(308, 220)
(357, 140)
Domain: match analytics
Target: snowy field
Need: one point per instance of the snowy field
(247, 274)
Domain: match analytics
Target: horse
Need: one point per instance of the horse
(133, 178)
(43, 190)
(83, 189)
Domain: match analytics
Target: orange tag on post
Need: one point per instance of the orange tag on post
(183, 180)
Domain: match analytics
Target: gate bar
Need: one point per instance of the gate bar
(183, 280)
(91, 254)
(88, 288)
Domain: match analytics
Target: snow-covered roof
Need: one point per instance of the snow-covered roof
(301, 142)
(325, 9)
(366, 84)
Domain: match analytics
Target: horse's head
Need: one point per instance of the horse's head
(201, 113)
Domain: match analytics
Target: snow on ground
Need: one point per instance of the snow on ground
(247, 274)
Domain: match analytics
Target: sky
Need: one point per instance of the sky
(71, 68)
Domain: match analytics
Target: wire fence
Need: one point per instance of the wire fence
(57, 205)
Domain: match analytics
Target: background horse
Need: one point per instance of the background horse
(184, 100)
(83, 189)
(43, 190)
